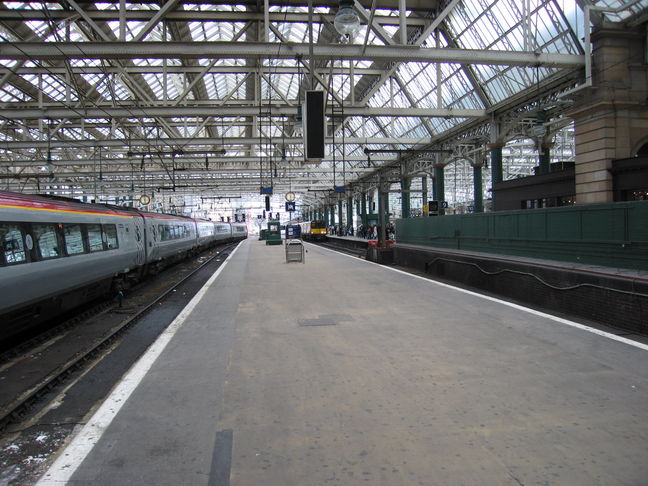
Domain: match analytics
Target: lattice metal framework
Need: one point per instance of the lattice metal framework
(197, 101)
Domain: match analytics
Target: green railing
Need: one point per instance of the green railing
(614, 235)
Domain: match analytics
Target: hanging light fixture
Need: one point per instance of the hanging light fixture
(298, 126)
(539, 129)
(284, 160)
(347, 21)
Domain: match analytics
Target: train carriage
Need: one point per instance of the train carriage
(239, 231)
(206, 233)
(170, 237)
(223, 231)
(56, 253)
(313, 230)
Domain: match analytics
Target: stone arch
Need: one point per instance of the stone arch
(641, 149)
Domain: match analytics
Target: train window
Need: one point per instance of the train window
(110, 232)
(164, 232)
(95, 240)
(46, 240)
(12, 243)
(73, 239)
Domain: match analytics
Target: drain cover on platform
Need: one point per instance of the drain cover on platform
(325, 320)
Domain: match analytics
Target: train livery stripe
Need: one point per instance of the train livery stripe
(58, 210)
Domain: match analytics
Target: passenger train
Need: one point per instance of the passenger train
(59, 253)
(313, 230)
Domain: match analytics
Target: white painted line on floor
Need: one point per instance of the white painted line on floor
(509, 304)
(67, 463)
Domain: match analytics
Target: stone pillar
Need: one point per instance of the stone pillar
(332, 213)
(478, 187)
(439, 189)
(340, 213)
(406, 182)
(611, 118)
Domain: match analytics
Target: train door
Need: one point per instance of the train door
(152, 238)
(140, 241)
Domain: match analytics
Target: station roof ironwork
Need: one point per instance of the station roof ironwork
(201, 97)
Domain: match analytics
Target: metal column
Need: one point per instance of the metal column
(496, 167)
(545, 157)
(381, 213)
(425, 193)
(478, 188)
(350, 212)
(406, 182)
(439, 189)
(363, 208)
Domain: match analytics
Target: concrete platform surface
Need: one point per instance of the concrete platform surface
(342, 372)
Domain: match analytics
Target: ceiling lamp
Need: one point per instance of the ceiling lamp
(346, 20)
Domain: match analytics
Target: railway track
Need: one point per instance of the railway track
(49, 362)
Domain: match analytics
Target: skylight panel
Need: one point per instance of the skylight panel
(624, 14)
(38, 27)
(105, 6)
(364, 126)
(133, 27)
(409, 127)
(9, 63)
(53, 87)
(85, 62)
(10, 94)
(210, 86)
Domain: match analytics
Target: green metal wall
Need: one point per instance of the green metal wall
(614, 235)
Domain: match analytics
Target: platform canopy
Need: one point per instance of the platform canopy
(202, 97)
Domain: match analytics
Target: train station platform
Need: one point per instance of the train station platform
(343, 372)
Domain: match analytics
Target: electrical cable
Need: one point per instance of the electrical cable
(536, 277)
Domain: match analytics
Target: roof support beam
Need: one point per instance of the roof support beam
(186, 16)
(154, 21)
(185, 142)
(91, 22)
(261, 50)
(228, 110)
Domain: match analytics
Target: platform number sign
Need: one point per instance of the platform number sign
(290, 206)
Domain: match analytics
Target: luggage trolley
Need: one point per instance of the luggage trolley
(294, 246)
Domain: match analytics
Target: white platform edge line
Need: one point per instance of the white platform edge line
(509, 304)
(71, 458)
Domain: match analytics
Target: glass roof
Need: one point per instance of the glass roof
(160, 102)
